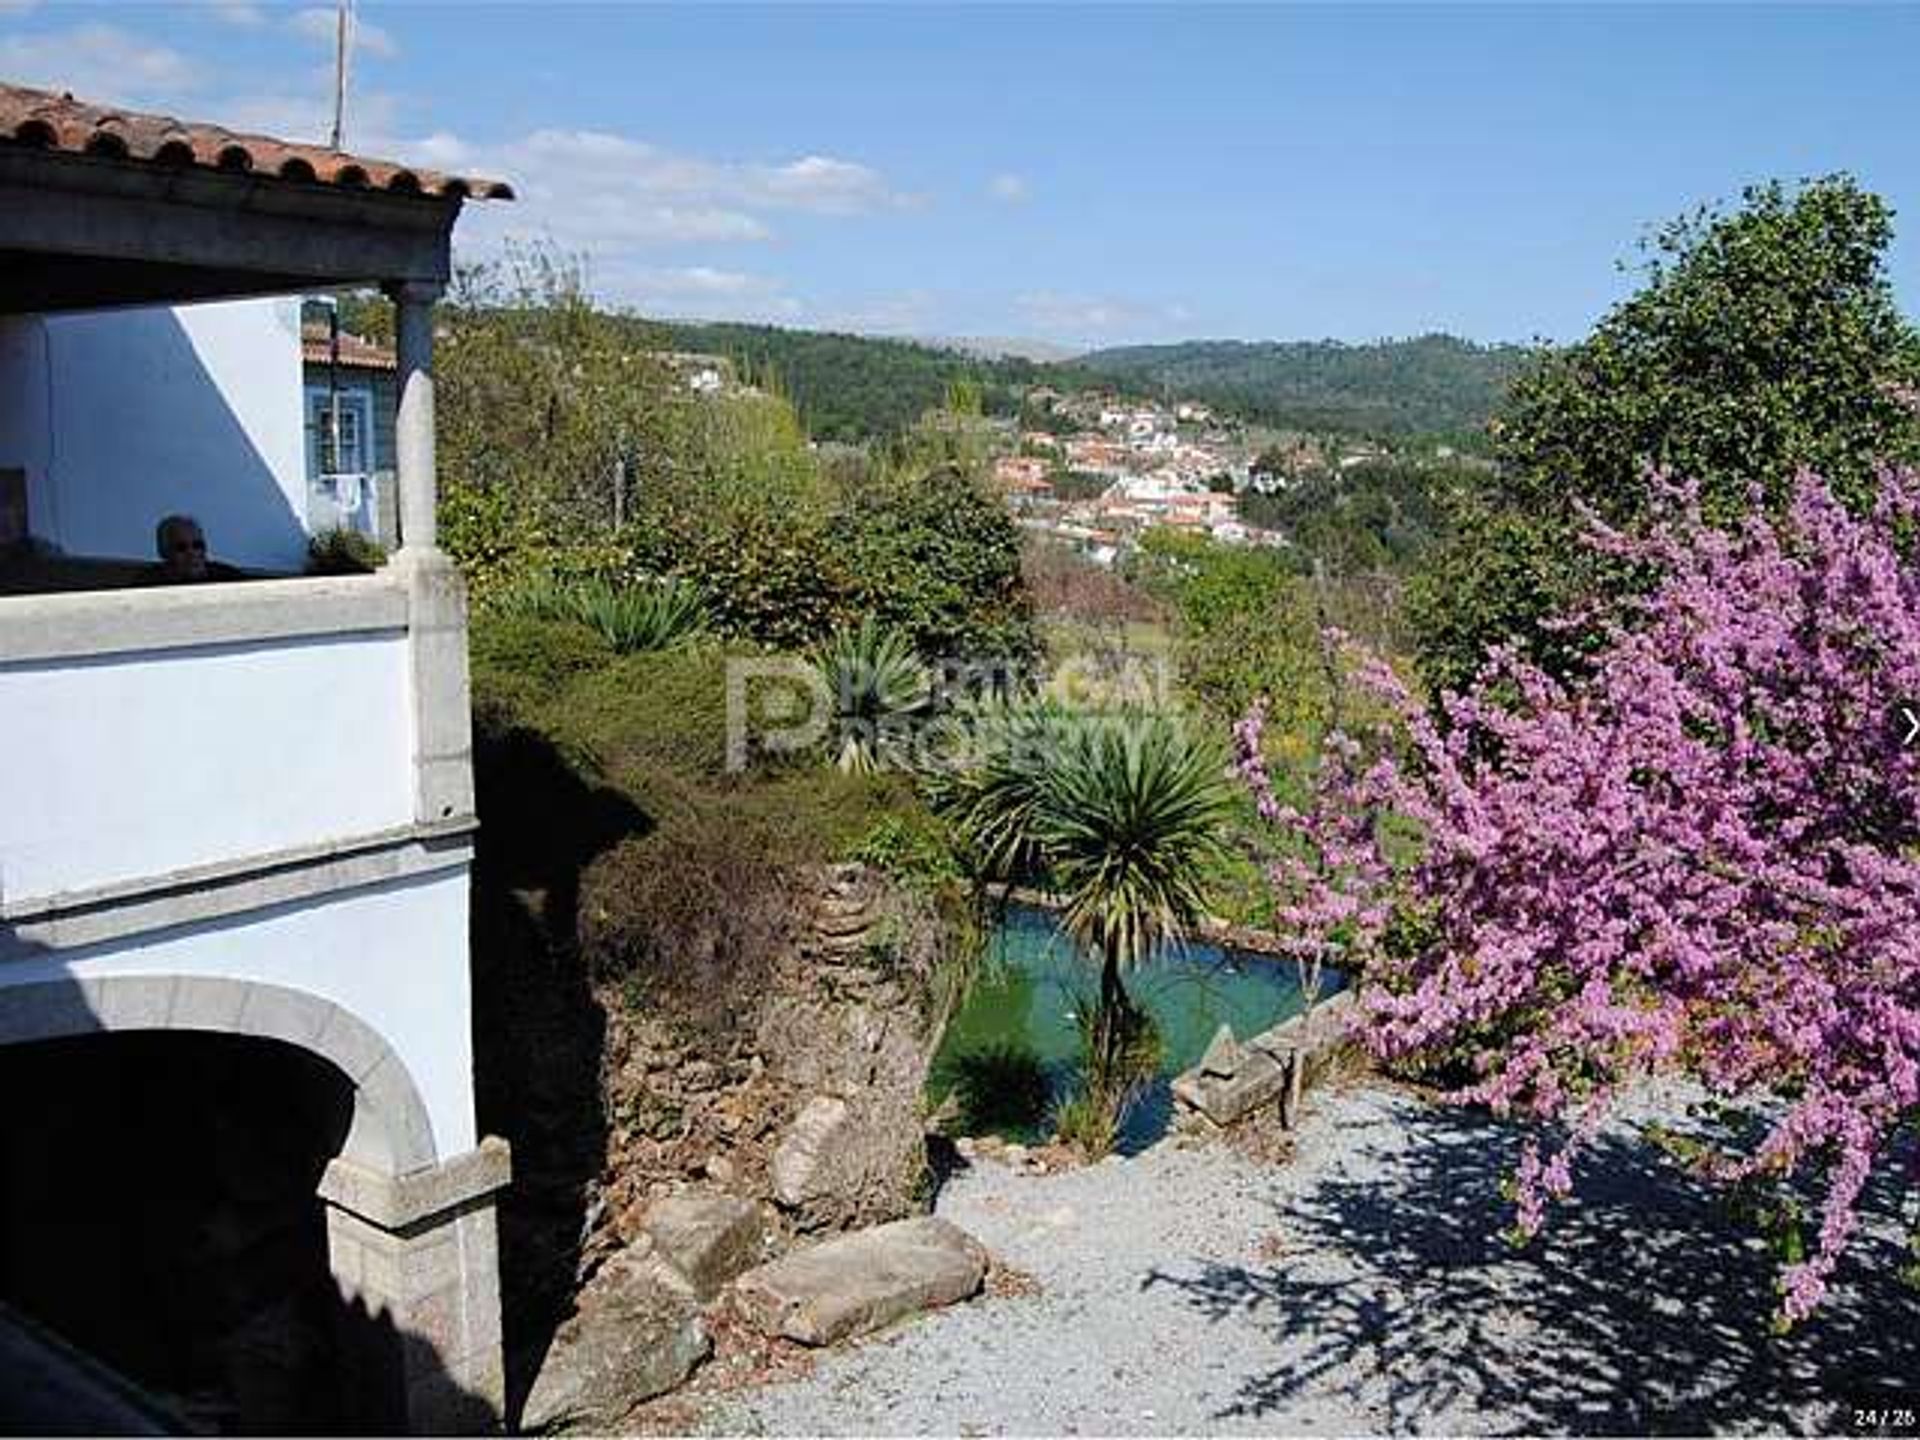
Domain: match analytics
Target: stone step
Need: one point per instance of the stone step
(862, 1281)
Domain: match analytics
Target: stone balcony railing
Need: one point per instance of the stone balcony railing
(167, 740)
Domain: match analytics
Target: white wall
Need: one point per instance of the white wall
(395, 955)
(137, 765)
(124, 416)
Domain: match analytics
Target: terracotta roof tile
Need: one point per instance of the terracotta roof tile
(44, 120)
(356, 352)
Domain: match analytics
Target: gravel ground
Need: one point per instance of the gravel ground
(1363, 1286)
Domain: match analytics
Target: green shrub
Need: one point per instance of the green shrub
(630, 616)
(686, 919)
(522, 668)
(341, 551)
(912, 848)
(647, 615)
(654, 717)
(999, 1087)
(879, 691)
(1083, 1121)
(538, 596)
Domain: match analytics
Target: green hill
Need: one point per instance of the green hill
(855, 387)
(859, 387)
(1430, 384)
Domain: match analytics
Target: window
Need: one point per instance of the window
(354, 453)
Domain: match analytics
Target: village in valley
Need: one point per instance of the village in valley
(599, 843)
(1105, 469)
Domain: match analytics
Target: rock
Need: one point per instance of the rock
(1223, 1054)
(862, 1281)
(719, 1168)
(1014, 1155)
(707, 1236)
(1259, 1080)
(802, 1154)
(636, 1333)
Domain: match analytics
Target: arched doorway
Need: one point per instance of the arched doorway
(158, 1209)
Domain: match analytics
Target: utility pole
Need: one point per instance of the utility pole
(342, 39)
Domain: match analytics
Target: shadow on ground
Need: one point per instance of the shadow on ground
(1644, 1307)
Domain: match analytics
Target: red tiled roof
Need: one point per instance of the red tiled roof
(356, 352)
(46, 121)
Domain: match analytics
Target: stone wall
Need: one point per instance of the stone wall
(809, 1096)
(1234, 1079)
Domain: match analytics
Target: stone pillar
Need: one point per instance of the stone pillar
(442, 717)
(416, 1258)
(437, 602)
(413, 418)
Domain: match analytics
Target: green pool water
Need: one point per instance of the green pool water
(1034, 978)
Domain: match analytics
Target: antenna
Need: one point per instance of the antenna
(342, 44)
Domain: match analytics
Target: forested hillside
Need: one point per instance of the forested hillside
(856, 387)
(1429, 385)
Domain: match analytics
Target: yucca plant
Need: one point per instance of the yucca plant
(996, 757)
(880, 692)
(647, 615)
(1124, 814)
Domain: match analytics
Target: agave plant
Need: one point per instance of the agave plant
(649, 615)
(538, 597)
(880, 693)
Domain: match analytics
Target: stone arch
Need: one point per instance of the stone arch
(391, 1131)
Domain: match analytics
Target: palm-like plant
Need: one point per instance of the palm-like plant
(1124, 813)
(879, 691)
(1130, 821)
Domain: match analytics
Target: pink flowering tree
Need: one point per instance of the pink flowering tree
(1704, 856)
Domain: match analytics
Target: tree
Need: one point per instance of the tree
(1702, 853)
(1121, 815)
(1763, 340)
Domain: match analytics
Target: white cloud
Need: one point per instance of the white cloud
(1009, 189)
(697, 291)
(240, 13)
(621, 202)
(700, 280)
(101, 63)
(609, 194)
(320, 25)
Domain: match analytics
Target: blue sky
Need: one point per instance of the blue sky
(1081, 174)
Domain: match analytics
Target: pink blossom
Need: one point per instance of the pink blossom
(1706, 855)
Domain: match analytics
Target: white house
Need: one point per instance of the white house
(235, 1007)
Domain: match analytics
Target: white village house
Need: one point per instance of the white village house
(240, 1160)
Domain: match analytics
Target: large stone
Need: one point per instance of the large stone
(637, 1333)
(707, 1236)
(802, 1161)
(863, 1281)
